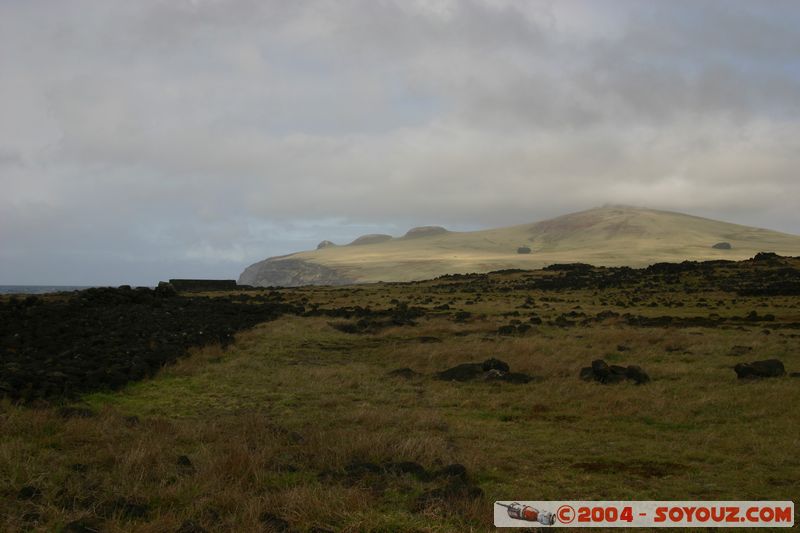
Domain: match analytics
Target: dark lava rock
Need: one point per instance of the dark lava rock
(490, 370)
(405, 373)
(517, 378)
(508, 377)
(104, 338)
(722, 246)
(507, 330)
(462, 316)
(274, 522)
(495, 364)
(462, 372)
(29, 492)
(769, 368)
(523, 250)
(636, 374)
(190, 526)
(766, 256)
(185, 464)
(794, 375)
(601, 372)
(325, 244)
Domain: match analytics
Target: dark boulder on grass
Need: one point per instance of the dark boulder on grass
(495, 364)
(29, 492)
(490, 370)
(636, 374)
(769, 368)
(722, 246)
(602, 372)
(516, 377)
(405, 373)
(462, 372)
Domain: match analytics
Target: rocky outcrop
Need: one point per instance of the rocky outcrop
(523, 250)
(325, 244)
(424, 231)
(372, 238)
(286, 272)
(769, 368)
(722, 246)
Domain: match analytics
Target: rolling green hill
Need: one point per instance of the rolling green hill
(607, 236)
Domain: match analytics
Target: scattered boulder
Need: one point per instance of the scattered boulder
(636, 374)
(722, 246)
(490, 370)
(523, 250)
(766, 256)
(462, 372)
(185, 464)
(602, 372)
(405, 373)
(325, 244)
(495, 364)
(509, 377)
(769, 368)
(29, 492)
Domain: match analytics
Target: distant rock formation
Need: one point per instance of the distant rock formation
(723, 246)
(325, 244)
(618, 236)
(424, 231)
(285, 272)
(523, 250)
(372, 238)
(203, 285)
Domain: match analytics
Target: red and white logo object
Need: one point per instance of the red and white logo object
(644, 513)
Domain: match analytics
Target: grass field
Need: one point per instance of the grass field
(297, 425)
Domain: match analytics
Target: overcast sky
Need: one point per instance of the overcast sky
(142, 140)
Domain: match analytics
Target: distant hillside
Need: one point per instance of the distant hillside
(608, 236)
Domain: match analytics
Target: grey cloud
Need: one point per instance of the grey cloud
(206, 134)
